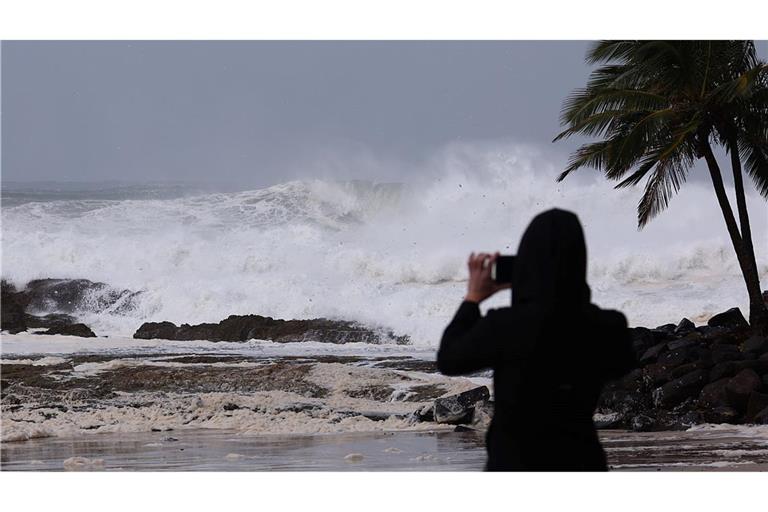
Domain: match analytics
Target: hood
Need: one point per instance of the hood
(551, 265)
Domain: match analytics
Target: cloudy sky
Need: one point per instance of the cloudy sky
(258, 113)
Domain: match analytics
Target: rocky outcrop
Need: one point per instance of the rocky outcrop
(72, 295)
(12, 314)
(687, 375)
(459, 408)
(730, 318)
(46, 303)
(248, 327)
(81, 330)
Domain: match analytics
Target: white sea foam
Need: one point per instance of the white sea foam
(254, 413)
(386, 255)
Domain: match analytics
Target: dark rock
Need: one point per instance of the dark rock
(81, 330)
(722, 353)
(729, 318)
(710, 332)
(12, 317)
(755, 343)
(657, 373)
(425, 413)
(642, 423)
(761, 418)
(756, 403)
(71, 295)
(635, 381)
(462, 428)
(740, 387)
(459, 408)
(723, 414)
(686, 368)
(663, 333)
(676, 357)
(156, 330)
(685, 342)
(678, 390)
(652, 353)
(713, 394)
(642, 339)
(49, 321)
(730, 368)
(247, 327)
(685, 326)
(666, 328)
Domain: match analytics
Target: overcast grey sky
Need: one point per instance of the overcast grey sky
(257, 113)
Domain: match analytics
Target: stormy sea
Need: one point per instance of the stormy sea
(376, 270)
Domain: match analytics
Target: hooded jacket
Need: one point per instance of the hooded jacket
(551, 353)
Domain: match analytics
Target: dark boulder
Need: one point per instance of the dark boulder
(722, 414)
(684, 342)
(713, 394)
(740, 387)
(755, 343)
(156, 330)
(666, 328)
(72, 295)
(248, 327)
(677, 357)
(684, 327)
(653, 352)
(729, 318)
(459, 408)
(688, 368)
(81, 330)
(723, 353)
(730, 368)
(12, 317)
(642, 339)
(663, 333)
(756, 403)
(680, 389)
(425, 413)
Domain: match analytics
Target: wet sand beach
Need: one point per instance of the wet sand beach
(216, 450)
(151, 406)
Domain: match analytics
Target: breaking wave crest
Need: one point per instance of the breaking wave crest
(383, 254)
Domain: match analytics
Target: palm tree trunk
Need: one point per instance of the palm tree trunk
(758, 314)
(757, 310)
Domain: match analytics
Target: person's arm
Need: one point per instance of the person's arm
(470, 342)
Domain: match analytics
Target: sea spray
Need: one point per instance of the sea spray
(384, 254)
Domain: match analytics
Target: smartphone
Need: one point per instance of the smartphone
(503, 269)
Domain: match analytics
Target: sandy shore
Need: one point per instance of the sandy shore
(121, 404)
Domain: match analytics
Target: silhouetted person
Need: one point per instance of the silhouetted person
(551, 351)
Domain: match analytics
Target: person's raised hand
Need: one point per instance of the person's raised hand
(480, 285)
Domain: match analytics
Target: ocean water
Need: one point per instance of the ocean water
(385, 254)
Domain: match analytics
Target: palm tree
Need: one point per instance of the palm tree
(659, 106)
